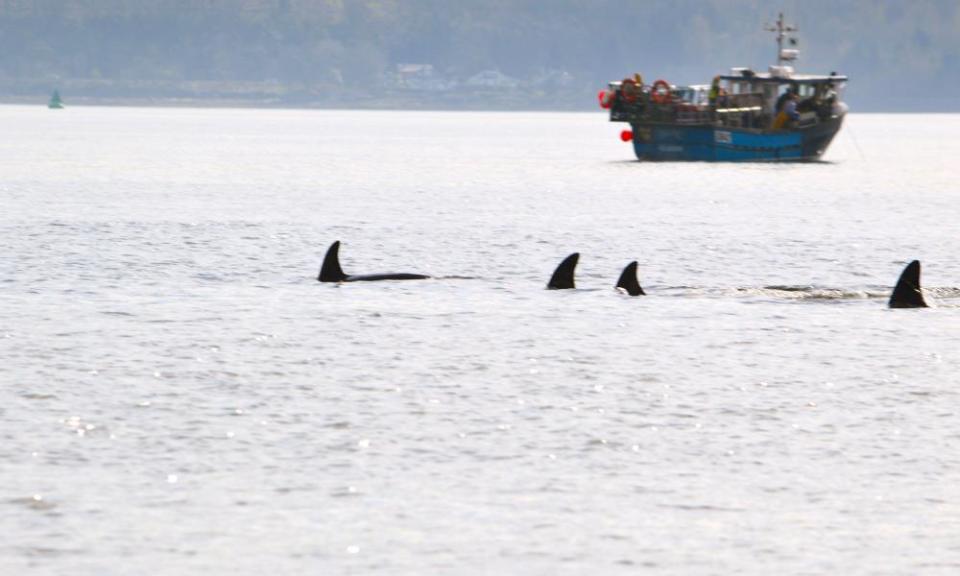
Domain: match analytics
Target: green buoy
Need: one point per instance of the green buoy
(55, 102)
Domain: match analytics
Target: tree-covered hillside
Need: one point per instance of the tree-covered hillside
(464, 53)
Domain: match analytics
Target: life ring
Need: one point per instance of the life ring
(660, 93)
(629, 90)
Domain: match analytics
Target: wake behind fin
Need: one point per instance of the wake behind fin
(562, 278)
(628, 280)
(907, 294)
(331, 271)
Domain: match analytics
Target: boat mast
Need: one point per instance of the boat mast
(781, 29)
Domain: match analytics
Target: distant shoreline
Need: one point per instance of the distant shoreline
(496, 103)
(280, 105)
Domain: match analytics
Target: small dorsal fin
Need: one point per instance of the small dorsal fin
(563, 276)
(628, 280)
(331, 271)
(907, 294)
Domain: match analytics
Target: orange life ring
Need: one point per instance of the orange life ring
(629, 90)
(660, 93)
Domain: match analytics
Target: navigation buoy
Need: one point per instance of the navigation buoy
(626, 135)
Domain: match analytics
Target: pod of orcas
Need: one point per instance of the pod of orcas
(906, 294)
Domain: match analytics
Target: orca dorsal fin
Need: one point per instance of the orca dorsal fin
(562, 278)
(331, 271)
(907, 294)
(628, 280)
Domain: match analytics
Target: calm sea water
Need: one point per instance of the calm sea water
(178, 395)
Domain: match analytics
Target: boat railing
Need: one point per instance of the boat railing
(746, 110)
(692, 114)
(623, 110)
(742, 117)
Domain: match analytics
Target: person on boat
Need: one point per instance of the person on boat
(810, 104)
(789, 113)
(782, 100)
(714, 94)
(790, 108)
(830, 94)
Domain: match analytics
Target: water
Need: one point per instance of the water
(178, 395)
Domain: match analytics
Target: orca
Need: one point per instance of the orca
(628, 281)
(331, 271)
(562, 278)
(907, 294)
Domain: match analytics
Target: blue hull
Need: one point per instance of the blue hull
(705, 143)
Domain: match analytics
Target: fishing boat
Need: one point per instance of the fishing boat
(777, 115)
(55, 102)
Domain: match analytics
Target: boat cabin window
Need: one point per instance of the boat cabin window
(803, 89)
(696, 95)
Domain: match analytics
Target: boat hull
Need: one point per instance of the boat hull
(708, 143)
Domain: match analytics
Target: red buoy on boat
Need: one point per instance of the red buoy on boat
(605, 98)
(626, 135)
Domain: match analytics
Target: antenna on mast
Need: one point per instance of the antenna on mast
(782, 28)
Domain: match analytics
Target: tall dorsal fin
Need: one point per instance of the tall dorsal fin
(331, 271)
(907, 294)
(628, 280)
(563, 276)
